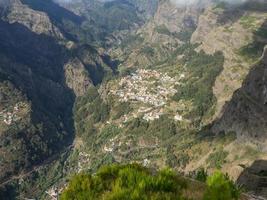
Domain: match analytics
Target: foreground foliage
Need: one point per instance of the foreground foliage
(220, 187)
(134, 182)
(125, 182)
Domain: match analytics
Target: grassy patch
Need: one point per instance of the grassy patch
(162, 29)
(248, 22)
(217, 159)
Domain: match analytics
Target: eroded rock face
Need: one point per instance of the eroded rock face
(159, 36)
(223, 30)
(77, 77)
(254, 178)
(246, 113)
(36, 21)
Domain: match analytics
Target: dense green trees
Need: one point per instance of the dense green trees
(89, 110)
(203, 70)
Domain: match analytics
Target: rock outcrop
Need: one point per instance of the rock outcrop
(246, 113)
(77, 77)
(38, 22)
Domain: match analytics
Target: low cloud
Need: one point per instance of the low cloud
(191, 2)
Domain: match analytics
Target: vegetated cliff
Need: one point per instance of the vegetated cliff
(41, 72)
(157, 40)
(187, 50)
(194, 59)
(233, 31)
(246, 112)
(107, 22)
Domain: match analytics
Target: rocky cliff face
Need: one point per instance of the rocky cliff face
(38, 22)
(228, 30)
(245, 114)
(159, 38)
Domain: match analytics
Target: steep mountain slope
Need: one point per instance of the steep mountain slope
(245, 114)
(94, 82)
(32, 69)
(159, 110)
(233, 31)
(106, 22)
(41, 72)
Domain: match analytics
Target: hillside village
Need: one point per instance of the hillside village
(10, 115)
(150, 89)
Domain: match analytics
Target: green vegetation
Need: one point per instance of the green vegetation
(162, 29)
(185, 34)
(201, 175)
(149, 51)
(220, 5)
(220, 187)
(107, 133)
(131, 40)
(163, 127)
(125, 182)
(248, 21)
(203, 70)
(217, 159)
(134, 182)
(122, 109)
(89, 110)
(254, 50)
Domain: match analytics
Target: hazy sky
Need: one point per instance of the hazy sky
(189, 2)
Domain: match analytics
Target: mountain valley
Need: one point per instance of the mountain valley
(88, 83)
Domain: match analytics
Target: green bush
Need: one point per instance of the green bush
(147, 50)
(120, 182)
(220, 187)
(162, 29)
(217, 159)
(201, 175)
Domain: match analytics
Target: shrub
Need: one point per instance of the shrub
(217, 158)
(125, 182)
(201, 175)
(220, 187)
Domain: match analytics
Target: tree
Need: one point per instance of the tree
(220, 187)
(202, 175)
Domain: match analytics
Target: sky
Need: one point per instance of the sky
(190, 2)
(178, 2)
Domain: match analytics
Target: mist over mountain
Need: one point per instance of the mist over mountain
(201, 2)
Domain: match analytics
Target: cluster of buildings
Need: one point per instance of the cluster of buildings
(83, 160)
(150, 116)
(150, 88)
(146, 86)
(9, 116)
(112, 145)
(55, 192)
